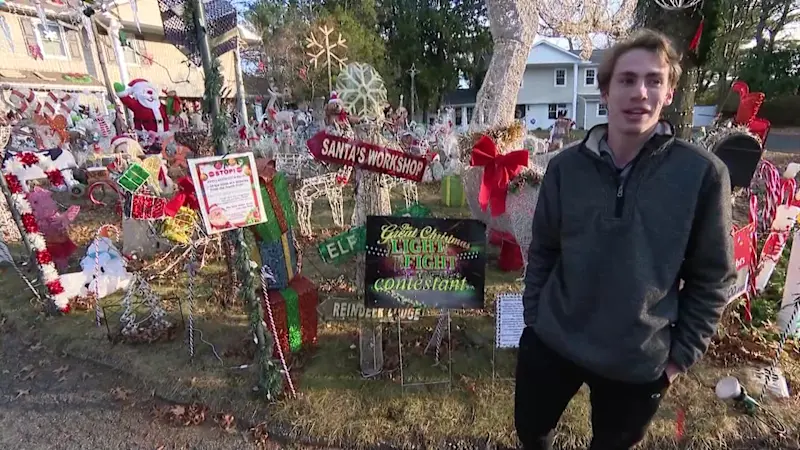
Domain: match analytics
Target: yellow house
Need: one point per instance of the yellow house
(61, 55)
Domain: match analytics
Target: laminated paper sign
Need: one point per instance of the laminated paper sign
(228, 191)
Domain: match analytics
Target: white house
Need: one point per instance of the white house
(555, 80)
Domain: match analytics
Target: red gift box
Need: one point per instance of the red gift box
(294, 311)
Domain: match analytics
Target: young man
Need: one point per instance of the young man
(621, 219)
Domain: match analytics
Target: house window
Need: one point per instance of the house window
(470, 110)
(459, 117)
(590, 78)
(561, 77)
(601, 110)
(51, 39)
(519, 112)
(132, 51)
(553, 109)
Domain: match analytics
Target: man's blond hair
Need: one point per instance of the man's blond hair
(644, 39)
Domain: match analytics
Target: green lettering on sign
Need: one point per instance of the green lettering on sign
(344, 246)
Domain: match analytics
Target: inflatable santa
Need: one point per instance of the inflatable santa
(149, 114)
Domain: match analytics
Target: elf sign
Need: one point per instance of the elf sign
(344, 246)
(341, 150)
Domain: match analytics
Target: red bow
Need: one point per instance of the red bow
(498, 171)
(185, 197)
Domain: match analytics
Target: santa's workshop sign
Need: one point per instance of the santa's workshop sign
(363, 155)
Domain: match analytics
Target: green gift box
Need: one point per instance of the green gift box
(133, 178)
(279, 208)
(453, 191)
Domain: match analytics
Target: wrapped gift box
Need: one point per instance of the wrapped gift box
(279, 208)
(281, 257)
(294, 310)
(276, 243)
(453, 191)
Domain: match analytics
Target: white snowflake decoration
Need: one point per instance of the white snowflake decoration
(361, 89)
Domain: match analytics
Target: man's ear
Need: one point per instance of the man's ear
(670, 96)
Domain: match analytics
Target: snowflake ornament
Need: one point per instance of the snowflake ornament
(361, 89)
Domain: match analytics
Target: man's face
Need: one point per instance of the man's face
(638, 91)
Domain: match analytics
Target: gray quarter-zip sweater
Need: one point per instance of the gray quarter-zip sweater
(610, 247)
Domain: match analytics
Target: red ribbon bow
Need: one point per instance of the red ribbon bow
(185, 197)
(498, 171)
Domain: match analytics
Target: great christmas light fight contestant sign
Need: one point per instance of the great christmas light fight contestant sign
(228, 191)
(423, 262)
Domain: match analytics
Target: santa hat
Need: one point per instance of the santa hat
(334, 98)
(133, 84)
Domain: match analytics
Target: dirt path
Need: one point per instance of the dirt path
(48, 401)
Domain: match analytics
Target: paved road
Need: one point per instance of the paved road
(779, 142)
(52, 402)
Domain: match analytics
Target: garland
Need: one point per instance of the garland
(24, 160)
(80, 78)
(37, 243)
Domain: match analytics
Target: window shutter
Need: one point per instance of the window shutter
(108, 48)
(28, 34)
(74, 43)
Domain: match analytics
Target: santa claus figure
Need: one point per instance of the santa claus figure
(149, 114)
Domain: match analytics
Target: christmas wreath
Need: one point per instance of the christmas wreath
(80, 78)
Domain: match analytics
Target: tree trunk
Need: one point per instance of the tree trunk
(514, 24)
(372, 199)
(681, 112)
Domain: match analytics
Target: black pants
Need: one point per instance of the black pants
(546, 382)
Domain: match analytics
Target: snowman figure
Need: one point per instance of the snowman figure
(104, 268)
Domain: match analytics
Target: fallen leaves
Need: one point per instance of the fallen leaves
(260, 434)
(62, 379)
(21, 392)
(227, 422)
(186, 415)
(120, 394)
(61, 370)
(36, 347)
(29, 376)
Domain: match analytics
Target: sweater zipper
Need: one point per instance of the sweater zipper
(620, 202)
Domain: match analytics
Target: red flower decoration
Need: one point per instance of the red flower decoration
(13, 184)
(29, 223)
(43, 257)
(341, 179)
(67, 309)
(28, 159)
(55, 287)
(56, 177)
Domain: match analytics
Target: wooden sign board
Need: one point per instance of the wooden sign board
(363, 155)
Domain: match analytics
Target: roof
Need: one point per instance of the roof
(597, 55)
(461, 97)
(42, 80)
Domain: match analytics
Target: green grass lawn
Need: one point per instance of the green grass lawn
(335, 403)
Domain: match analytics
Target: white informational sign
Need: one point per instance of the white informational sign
(228, 191)
(510, 320)
(791, 292)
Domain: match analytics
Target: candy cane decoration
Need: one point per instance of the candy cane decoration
(772, 179)
(785, 218)
(24, 100)
(266, 275)
(103, 231)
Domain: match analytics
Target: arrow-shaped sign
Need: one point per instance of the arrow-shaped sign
(363, 155)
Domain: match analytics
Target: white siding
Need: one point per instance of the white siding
(592, 118)
(540, 114)
(538, 86)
